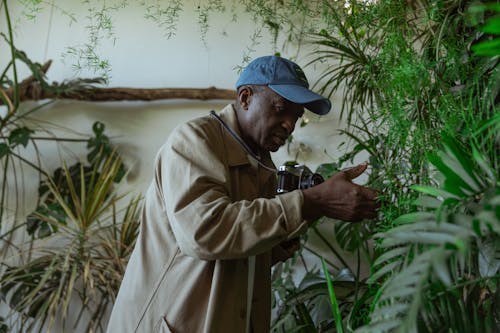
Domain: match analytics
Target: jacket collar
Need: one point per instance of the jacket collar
(238, 155)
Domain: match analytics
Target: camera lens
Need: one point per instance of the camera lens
(311, 180)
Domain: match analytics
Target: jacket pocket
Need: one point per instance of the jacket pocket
(162, 326)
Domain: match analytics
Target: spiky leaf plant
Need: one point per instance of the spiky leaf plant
(78, 269)
(441, 264)
(406, 74)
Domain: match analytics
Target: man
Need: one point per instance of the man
(212, 225)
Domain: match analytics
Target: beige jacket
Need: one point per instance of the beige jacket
(209, 208)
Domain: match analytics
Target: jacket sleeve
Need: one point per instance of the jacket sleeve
(194, 183)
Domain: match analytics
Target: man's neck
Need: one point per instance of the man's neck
(248, 141)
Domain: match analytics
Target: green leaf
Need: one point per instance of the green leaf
(435, 192)
(392, 254)
(333, 299)
(458, 176)
(441, 268)
(419, 237)
(327, 169)
(427, 202)
(492, 6)
(459, 154)
(489, 257)
(4, 149)
(20, 135)
(414, 217)
(44, 230)
(3, 326)
(482, 162)
(431, 225)
(99, 146)
(476, 225)
(390, 267)
(487, 48)
(350, 236)
(492, 26)
(393, 310)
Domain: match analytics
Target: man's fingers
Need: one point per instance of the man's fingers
(355, 171)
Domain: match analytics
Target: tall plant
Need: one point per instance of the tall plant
(407, 75)
(84, 260)
(440, 269)
(80, 235)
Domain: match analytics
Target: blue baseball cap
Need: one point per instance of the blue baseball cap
(285, 78)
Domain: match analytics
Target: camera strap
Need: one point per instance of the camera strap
(240, 141)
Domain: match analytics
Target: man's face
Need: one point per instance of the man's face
(268, 119)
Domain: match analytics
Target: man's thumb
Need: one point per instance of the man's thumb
(355, 171)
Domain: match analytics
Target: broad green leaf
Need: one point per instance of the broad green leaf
(401, 290)
(466, 176)
(308, 293)
(489, 257)
(452, 147)
(492, 26)
(387, 268)
(435, 192)
(487, 48)
(431, 226)
(327, 169)
(483, 164)
(491, 219)
(419, 237)
(492, 6)
(440, 267)
(493, 123)
(390, 311)
(415, 217)
(44, 230)
(453, 183)
(427, 202)
(20, 135)
(4, 149)
(476, 225)
(391, 254)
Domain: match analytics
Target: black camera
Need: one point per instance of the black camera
(293, 176)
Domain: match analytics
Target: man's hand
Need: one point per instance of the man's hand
(338, 197)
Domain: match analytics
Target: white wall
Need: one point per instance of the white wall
(141, 56)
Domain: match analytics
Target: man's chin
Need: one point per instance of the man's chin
(273, 148)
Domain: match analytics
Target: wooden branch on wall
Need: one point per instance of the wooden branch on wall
(96, 94)
(31, 89)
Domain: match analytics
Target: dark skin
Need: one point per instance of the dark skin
(266, 120)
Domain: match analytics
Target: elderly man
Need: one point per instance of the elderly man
(212, 226)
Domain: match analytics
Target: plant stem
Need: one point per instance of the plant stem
(53, 139)
(31, 164)
(38, 107)
(4, 186)
(356, 281)
(327, 243)
(319, 256)
(13, 55)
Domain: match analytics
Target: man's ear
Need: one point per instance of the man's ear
(244, 96)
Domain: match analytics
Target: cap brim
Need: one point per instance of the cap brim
(301, 95)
